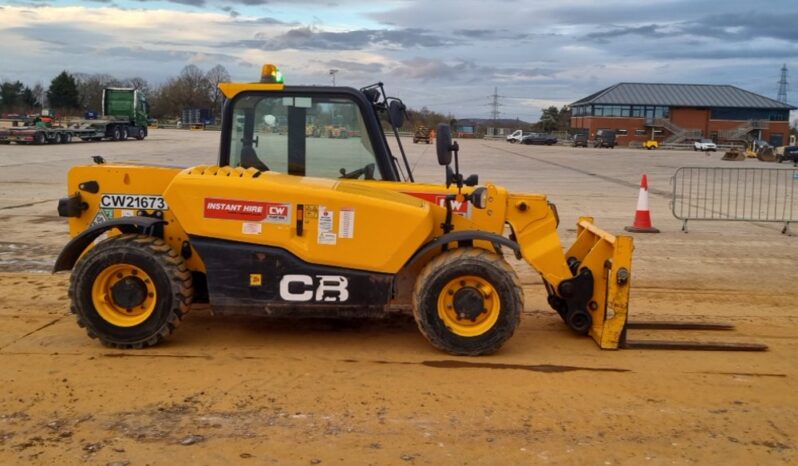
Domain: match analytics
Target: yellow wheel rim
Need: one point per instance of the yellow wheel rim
(469, 321)
(117, 314)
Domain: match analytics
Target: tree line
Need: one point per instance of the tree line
(76, 93)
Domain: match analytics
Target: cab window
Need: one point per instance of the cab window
(313, 136)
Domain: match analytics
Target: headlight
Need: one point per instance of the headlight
(479, 198)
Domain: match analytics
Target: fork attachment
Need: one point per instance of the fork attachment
(685, 345)
(606, 260)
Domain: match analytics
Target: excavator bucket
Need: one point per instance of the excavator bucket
(733, 155)
(766, 154)
(609, 259)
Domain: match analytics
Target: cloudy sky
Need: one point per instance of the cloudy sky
(445, 54)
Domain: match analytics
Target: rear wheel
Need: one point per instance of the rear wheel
(468, 302)
(39, 138)
(116, 133)
(124, 134)
(130, 291)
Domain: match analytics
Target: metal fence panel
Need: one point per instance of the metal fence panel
(735, 194)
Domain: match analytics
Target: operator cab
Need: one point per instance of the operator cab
(320, 131)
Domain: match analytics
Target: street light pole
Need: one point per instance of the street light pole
(332, 75)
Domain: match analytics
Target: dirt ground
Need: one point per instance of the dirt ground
(256, 391)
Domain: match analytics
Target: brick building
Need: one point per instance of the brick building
(674, 113)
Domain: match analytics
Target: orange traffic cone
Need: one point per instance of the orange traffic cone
(642, 215)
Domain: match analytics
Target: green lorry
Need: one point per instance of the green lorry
(124, 116)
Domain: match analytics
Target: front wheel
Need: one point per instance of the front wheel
(468, 302)
(130, 291)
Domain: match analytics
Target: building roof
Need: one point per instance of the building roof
(681, 95)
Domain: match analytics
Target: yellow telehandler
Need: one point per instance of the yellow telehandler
(292, 225)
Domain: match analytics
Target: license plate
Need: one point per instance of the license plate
(133, 201)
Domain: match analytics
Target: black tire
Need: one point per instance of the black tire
(39, 138)
(445, 269)
(170, 278)
(124, 134)
(116, 133)
(141, 133)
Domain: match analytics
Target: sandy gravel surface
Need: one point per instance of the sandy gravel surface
(255, 391)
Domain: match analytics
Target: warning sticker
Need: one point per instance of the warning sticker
(253, 211)
(326, 220)
(327, 238)
(103, 215)
(251, 228)
(346, 225)
(462, 208)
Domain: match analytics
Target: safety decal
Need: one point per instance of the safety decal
(252, 211)
(103, 215)
(248, 228)
(346, 224)
(326, 220)
(462, 208)
(311, 211)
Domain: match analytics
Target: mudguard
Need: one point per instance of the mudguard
(73, 250)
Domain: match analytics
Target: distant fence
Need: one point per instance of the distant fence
(735, 194)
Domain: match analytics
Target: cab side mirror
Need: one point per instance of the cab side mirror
(396, 112)
(443, 144)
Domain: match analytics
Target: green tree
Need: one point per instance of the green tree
(29, 99)
(11, 95)
(63, 93)
(549, 119)
(564, 119)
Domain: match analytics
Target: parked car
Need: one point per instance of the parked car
(651, 144)
(604, 138)
(579, 140)
(790, 154)
(516, 136)
(705, 145)
(539, 138)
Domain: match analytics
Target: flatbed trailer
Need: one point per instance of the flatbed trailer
(91, 130)
(125, 117)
